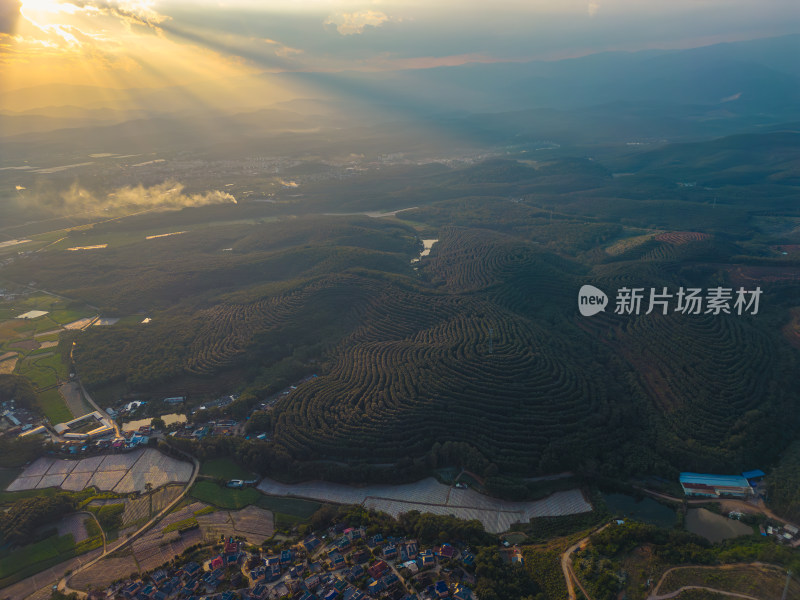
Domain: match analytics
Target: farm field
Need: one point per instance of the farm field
(431, 496)
(29, 348)
(253, 523)
(42, 555)
(211, 493)
(714, 527)
(292, 507)
(146, 506)
(148, 552)
(8, 363)
(104, 572)
(287, 511)
(74, 525)
(38, 585)
(765, 583)
(225, 468)
(123, 473)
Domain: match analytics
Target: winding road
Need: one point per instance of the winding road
(32, 587)
(63, 585)
(566, 566)
(730, 502)
(701, 587)
(656, 596)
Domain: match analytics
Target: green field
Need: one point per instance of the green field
(65, 316)
(183, 525)
(43, 367)
(40, 301)
(40, 377)
(291, 510)
(52, 405)
(233, 499)
(9, 497)
(42, 555)
(83, 495)
(293, 507)
(225, 468)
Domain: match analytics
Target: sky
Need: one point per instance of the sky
(159, 43)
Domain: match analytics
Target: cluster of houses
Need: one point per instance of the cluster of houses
(787, 534)
(200, 430)
(15, 420)
(342, 564)
(129, 441)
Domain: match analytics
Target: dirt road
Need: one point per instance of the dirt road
(566, 566)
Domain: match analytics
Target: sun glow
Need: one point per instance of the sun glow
(104, 45)
(46, 6)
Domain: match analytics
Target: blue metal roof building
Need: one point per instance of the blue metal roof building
(714, 486)
(751, 475)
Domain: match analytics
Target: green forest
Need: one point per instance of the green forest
(473, 355)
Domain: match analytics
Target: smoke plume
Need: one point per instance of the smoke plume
(164, 196)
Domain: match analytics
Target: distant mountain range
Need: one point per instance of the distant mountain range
(615, 97)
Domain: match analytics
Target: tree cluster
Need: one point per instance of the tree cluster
(19, 523)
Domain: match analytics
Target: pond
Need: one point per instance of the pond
(426, 249)
(645, 509)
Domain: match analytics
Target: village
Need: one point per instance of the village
(340, 563)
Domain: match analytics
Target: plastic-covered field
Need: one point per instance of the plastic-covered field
(122, 473)
(106, 480)
(61, 466)
(75, 482)
(428, 491)
(88, 465)
(156, 469)
(431, 496)
(38, 467)
(23, 483)
(120, 462)
(51, 480)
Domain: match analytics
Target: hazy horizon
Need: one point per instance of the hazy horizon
(156, 44)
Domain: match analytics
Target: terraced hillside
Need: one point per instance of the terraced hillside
(456, 367)
(473, 355)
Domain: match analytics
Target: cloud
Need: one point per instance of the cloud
(164, 196)
(9, 15)
(136, 13)
(593, 7)
(732, 97)
(72, 30)
(282, 50)
(354, 23)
